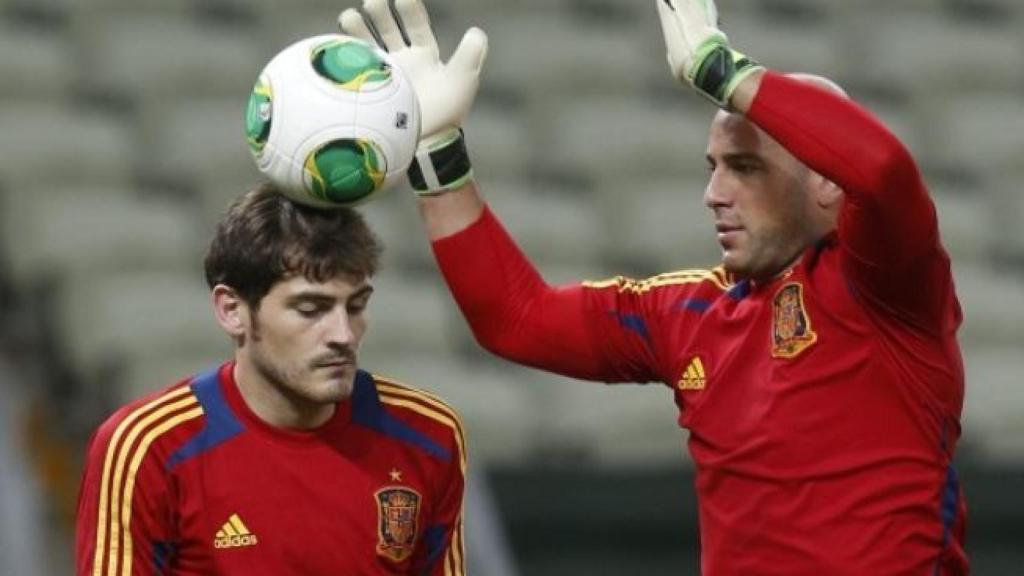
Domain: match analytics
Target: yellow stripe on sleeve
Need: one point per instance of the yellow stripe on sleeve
(126, 507)
(102, 518)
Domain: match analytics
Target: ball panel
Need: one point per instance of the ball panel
(351, 65)
(344, 171)
(259, 115)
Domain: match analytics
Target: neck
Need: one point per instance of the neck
(273, 403)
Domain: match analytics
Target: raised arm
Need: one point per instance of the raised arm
(510, 308)
(888, 228)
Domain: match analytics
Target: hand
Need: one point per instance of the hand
(699, 53)
(445, 90)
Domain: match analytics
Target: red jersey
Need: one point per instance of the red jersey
(823, 406)
(190, 481)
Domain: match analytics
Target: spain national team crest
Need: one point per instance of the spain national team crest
(791, 327)
(398, 510)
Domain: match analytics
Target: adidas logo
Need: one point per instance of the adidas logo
(234, 534)
(693, 377)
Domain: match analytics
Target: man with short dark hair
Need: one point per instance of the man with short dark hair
(288, 459)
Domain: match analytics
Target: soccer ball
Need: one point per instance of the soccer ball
(332, 121)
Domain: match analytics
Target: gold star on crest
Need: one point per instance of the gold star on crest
(396, 475)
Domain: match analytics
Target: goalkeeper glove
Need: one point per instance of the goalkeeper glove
(699, 53)
(445, 90)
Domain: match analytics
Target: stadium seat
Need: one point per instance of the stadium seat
(1008, 209)
(141, 56)
(982, 132)
(552, 227)
(500, 140)
(104, 318)
(199, 140)
(965, 222)
(604, 137)
(788, 46)
(46, 144)
(992, 425)
(935, 53)
(613, 426)
(657, 225)
(410, 313)
(394, 217)
(55, 231)
(146, 371)
(502, 412)
(566, 57)
(993, 302)
(35, 65)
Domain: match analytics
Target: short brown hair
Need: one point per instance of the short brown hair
(264, 238)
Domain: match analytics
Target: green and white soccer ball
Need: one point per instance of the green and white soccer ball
(332, 121)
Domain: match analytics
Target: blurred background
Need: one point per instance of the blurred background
(122, 140)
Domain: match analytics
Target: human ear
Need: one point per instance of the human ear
(229, 310)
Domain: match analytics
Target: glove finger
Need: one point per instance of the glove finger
(417, 23)
(351, 22)
(384, 22)
(675, 41)
(469, 56)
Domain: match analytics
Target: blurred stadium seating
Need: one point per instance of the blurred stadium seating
(122, 139)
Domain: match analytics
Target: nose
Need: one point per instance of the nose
(339, 331)
(716, 193)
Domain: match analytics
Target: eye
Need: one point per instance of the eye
(357, 306)
(745, 167)
(309, 309)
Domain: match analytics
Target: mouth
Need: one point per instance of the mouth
(335, 363)
(726, 232)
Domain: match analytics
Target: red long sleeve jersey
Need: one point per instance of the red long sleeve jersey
(823, 406)
(191, 482)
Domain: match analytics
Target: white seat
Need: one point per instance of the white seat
(784, 45)
(980, 131)
(657, 224)
(545, 53)
(152, 55)
(104, 318)
(965, 222)
(991, 417)
(551, 226)
(59, 231)
(200, 139)
(603, 137)
(46, 144)
(918, 51)
(394, 217)
(146, 371)
(410, 313)
(34, 65)
(993, 304)
(622, 425)
(500, 140)
(1008, 208)
(501, 412)
(285, 23)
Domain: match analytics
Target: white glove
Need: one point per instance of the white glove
(445, 90)
(698, 52)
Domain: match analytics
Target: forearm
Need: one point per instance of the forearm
(451, 212)
(512, 311)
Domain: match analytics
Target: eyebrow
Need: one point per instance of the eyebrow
(322, 297)
(737, 157)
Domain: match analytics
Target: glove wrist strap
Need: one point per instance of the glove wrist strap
(719, 70)
(441, 164)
